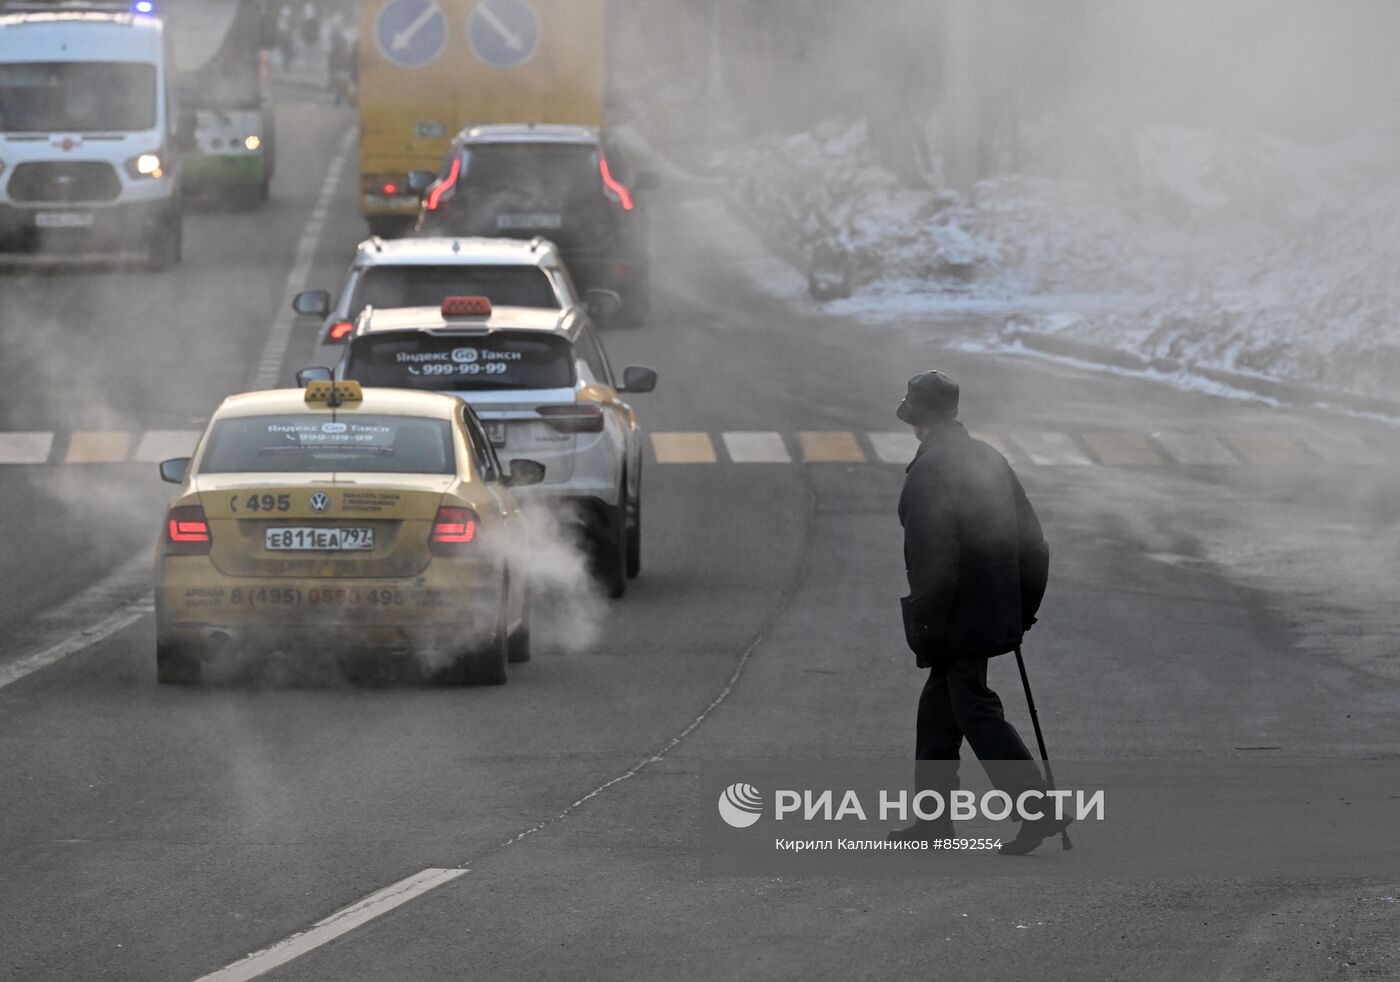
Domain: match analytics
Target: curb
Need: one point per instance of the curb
(1281, 390)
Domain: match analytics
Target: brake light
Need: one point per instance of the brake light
(573, 419)
(624, 196)
(390, 188)
(452, 529)
(340, 330)
(187, 531)
(443, 186)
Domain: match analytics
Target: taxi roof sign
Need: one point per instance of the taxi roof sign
(466, 307)
(332, 394)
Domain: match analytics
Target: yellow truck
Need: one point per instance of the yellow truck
(428, 68)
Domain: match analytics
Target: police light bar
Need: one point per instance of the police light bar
(333, 394)
(466, 307)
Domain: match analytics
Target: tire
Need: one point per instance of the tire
(176, 665)
(610, 553)
(484, 666)
(518, 643)
(166, 244)
(634, 540)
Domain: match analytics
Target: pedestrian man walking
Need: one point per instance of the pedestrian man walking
(977, 564)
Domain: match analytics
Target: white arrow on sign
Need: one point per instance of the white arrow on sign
(405, 37)
(513, 40)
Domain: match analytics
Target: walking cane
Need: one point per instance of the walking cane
(1040, 739)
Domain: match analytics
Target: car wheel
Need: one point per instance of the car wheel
(636, 304)
(610, 553)
(518, 644)
(176, 665)
(165, 246)
(481, 666)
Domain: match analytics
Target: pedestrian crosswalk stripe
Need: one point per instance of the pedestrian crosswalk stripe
(1269, 449)
(97, 447)
(1050, 448)
(1195, 449)
(25, 448)
(1116, 448)
(756, 448)
(683, 448)
(830, 447)
(894, 448)
(1342, 448)
(157, 445)
(998, 444)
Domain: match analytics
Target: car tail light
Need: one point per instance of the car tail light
(452, 529)
(624, 196)
(340, 330)
(466, 307)
(187, 532)
(573, 419)
(389, 188)
(443, 186)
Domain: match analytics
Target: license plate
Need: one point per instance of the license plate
(302, 539)
(539, 220)
(63, 219)
(496, 433)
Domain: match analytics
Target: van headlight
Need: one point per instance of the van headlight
(146, 165)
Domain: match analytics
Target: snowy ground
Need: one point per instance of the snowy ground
(1241, 252)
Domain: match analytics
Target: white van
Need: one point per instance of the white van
(88, 130)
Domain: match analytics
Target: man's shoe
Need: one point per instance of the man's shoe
(924, 831)
(1032, 834)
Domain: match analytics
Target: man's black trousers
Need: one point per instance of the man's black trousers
(956, 703)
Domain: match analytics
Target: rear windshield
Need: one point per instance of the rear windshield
(553, 171)
(456, 364)
(426, 286)
(77, 96)
(348, 441)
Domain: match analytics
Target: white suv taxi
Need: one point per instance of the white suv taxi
(543, 389)
(421, 272)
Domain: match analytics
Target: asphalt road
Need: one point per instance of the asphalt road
(1221, 580)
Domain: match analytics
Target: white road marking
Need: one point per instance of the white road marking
(894, 448)
(1193, 449)
(158, 445)
(343, 921)
(265, 375)
(1051, 448)
(25, 448)
(756, 448)
(996, 443)
(101, 596)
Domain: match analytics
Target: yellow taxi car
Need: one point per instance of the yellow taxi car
(371, 522)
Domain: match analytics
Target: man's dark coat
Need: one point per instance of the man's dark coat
(973, 549)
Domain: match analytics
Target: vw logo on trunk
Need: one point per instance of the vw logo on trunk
(320, 501)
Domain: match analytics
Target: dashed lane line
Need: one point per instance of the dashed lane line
(1342, 448)
(25, 448)
(1269, 450)
(343, 921)
(265, 373)
(830, 447)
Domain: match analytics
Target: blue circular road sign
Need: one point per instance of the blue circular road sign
(504, 33)
(411, 33)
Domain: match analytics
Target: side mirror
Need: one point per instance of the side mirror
(420, 180)
(637, 378)
(317, 373)
(312, 303)
(524, 473)
(646, 181)
(173, 471)
(602, 303)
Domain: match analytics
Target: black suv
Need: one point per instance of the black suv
(563, 183)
